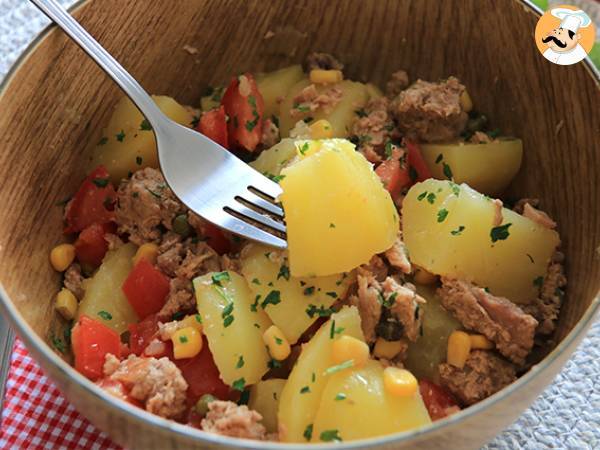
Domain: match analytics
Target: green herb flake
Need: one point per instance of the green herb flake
(239, 384)
(138, 160)
(198, 318)
(254, 306)
(145, 125)
(256, 281)
(306, 120)
(220, 276)
(442, 214)
(361, 113)
(330, 436)
(103, 140)
(388, 149)
(439, 158)
(331, 294)
(309, 290)
(455, 188)
(313, 377)
(308, 432)
(101, 182)
(342, 366)
(274, 364)
(332, 225)
(340, 396)
(304, 148)
(183, 339)
(58, 344)
(447, 171)
(458, 231)
(227, 321)
(284, 272)
(305, 390)
(320, 311)
(240, 362)
(275, 178)
(422, 195)
(431, 198)
(227, 310)
(538, 282)
(121, 136)
(178, 315)
(250, 124)
(272, 298)
(105, 315)
(500, 233)
(278, 341)
(252, 101)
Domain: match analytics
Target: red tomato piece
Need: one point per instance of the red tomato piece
(213, 125)
(141, 333)
(216, 238)
(93, 202)
(394, 173)
(146, 288)
(416, 161)
(244, 106)
(92, 341)
(90, 246)
(438, 401)
(202, 375)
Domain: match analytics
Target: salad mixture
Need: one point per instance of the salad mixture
(408, 291)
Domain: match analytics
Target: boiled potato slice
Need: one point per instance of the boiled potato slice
(271, 161)
(301, 394)
(448, 230)
(128, 144)
(264, 398)
(338, 213)
(429, 351)
(354, 96)
(488, 168)
(355, 405)
(275, 85)
(267, 270)
(233, 326)
(104, 300)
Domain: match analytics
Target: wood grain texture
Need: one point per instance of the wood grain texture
(54, 106)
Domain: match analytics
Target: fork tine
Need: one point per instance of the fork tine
(265, 185)
(260, 218)
(261, 203)
(247, 230)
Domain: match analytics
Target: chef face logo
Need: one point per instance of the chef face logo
(565, 35)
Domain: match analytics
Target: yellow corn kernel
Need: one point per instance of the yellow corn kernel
(148, 251)
(320, 76)
(459, 347)
(465, 101)
(399, 382)
(479, 341)
(321, 129)
(422, 276)
(388, 349)
(278, 345)
(194, 321)
(187, 343)
(347, 347)
(62, 256)
(66, 304)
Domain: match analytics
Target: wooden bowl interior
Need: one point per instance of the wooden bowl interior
(56, 103)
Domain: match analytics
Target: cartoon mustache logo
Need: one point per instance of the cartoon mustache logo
(555, 40)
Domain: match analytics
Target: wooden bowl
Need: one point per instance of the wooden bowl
(56, 100)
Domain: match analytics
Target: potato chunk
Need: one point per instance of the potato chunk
(488, 168)
(354, 96)
(299, 300)
(273, 160)
(128, 143)
(355, 405)
(338, 213)
(264, 398)
(301, 394)
(275, 85)
(233, 326)
(449, 230)
(104, 299)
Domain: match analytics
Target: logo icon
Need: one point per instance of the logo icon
(565, 35)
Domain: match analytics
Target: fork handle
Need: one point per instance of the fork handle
(130, 86)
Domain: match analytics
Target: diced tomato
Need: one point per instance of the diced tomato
(90, 246)
(92, 341)
(438, 401)
(216, 239)
(141, 333)
(245, 108)
(416, 161)
(213, 125)
(93, 202)
(394, 173)
(202, 375)
(146, 288)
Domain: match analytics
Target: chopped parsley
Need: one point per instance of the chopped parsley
(256, 281)
(183, 339)
(227, 321)
(455, 188)
(332, 225)
(422, 195)
(431, 198)
(105, 315)
(103, 140)
(331, 294)
(58, 344)
(313, 377)
(274, 364)
(389, 302)
(240, 362)
(198, 318)
(439, 158)
(304, 148)
(447, 171)
(500, 233)
(121, 136)
(388, 149)
(278, 341)
(320, 311)
(442, 214)
(330, 436)
(272, 298)
(250, 124)
(305, 390)
(244, 397)
(254, 306)
(220, 276)
(101, 182)
(413, 174)
(458, 231)
(538, 282)
(301, 107)
(333, 330)
(333, 369)
(178, 315)
(308, 432)
(309, 290)
(340, 396)
(275, 178)
(145, 125)
(284, 272)
(361, 112)
(227, 310)
(239, 384)
(138, 160)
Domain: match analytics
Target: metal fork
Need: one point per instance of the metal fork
(203, 175)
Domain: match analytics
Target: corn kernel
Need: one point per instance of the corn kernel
(66, 304)
(278, 345)
(422, 276)
(194, 321)
(320, 76)
(187, 343)
(465, 101)
(459, 347)
(479, 341)
(321, 129)
(148, 251)
(388, 349)
(399, 382)
(62, 256)
(347, 347)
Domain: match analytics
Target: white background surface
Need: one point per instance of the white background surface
(566, 416)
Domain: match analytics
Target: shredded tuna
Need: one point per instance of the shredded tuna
(300, 130)
(520, 205)
(228, 419)
(479, 137)
(430, 112)
(500, 320)
(310, 100)
(231, 263)
(157, 383)
(484, 374)
(270, 134)
(398, 256)
(373, 129)
(397, 83)
(113, 241)
(367, 302)
(244, 87)
(180, 298)
(322, 61)
(144, 204)
(539, 217)
(406, 307)
(167, 329)
(377, 267)
(497, 220)
(74, 281)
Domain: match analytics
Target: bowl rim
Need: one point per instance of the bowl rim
(42, 350)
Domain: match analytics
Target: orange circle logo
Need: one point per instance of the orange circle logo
(565, 35)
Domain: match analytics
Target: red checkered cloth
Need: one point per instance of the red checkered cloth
(37, 416)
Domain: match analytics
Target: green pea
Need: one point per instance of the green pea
(202, 404)
(181, 225)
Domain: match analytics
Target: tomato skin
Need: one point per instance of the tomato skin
(146, 288)
(213, 125)
(141, 333)
(216, 239)
(416, 161)
(90, 246)
(438, 401)
(92, 203)
(244, 106)
(394, 173)
(91, 342)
